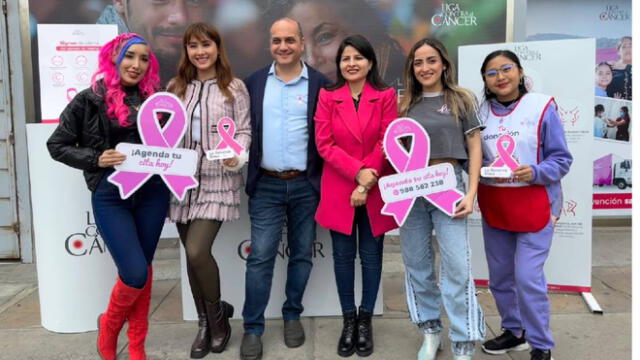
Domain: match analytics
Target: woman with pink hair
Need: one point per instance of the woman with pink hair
(94, 122)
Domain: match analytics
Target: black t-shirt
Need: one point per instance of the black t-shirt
(446, 133)
(128, 133)
(620, 84)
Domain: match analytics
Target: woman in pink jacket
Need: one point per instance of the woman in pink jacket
(351, 120)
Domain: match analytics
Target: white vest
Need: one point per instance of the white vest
(523, 124)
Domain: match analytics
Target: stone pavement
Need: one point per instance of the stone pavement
(578, 333)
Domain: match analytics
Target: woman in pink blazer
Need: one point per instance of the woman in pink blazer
(351, 120)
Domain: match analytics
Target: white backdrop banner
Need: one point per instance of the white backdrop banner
(609, 22)
(564, 70)
(231, 248)
(76, 272)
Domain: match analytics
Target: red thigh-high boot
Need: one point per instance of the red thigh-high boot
(139, 321)
(110, 322)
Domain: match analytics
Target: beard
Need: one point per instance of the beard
(168, 68)
(167, 57)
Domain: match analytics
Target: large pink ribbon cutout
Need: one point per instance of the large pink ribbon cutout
(417, 158)
(153, 135)
(505, 157)
(227, 136)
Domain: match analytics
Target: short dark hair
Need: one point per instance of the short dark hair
(599, 108)
(604, 63)
(522, 89)
(364, 47)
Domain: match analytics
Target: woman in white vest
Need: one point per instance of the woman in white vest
(523, 131)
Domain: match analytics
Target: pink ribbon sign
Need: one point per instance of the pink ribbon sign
(416, 161)
(154, 136)
(227, 135)
(228, 147)
(505, 153)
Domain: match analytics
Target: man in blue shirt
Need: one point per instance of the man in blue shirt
(283, 181)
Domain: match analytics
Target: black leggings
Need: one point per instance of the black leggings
(197, 237)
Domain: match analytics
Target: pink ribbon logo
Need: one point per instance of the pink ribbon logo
(153, 135)
(505, 153)
(417, 158)
(227, 135)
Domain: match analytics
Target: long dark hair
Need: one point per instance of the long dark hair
(626, 116)
(363, 46)
(522, 89)
(461, 101)
(187, 72)
(625, 110)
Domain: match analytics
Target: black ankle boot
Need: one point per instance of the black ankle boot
(364, 344)
(200, 347)
(218, 314)
(347, 342)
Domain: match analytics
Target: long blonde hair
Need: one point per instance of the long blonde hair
(459, 100)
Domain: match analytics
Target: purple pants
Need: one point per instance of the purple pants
(517, 282)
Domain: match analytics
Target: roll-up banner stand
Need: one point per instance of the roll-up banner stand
(547, 71)
(609, 23)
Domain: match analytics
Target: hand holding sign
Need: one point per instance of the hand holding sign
(437, 184)
(110, 158)
(158, 154)
(504, 165)
(228, 146)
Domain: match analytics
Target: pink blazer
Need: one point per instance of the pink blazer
(348, 141)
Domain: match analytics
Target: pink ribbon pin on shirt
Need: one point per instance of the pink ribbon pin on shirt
(153, 135)
(227, 135)
(415, 159)
(505, 153)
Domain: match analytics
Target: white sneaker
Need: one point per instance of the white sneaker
(430, 346)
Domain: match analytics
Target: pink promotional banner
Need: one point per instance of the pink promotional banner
(158, 153)
(415, 178)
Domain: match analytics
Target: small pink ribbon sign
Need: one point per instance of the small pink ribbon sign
(228, 147)
(437, 184)
(158, 153)
(505, 164)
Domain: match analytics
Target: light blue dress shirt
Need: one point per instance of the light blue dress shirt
(285, 132)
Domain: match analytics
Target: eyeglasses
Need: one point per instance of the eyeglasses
(504, 69)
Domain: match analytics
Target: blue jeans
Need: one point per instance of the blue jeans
(344, 255)
(131, 228)
(273, 201)
(456, 290)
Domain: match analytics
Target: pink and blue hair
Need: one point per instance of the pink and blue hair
(109, 60)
